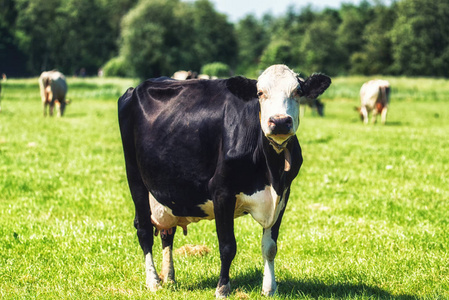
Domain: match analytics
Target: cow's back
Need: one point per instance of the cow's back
(58, 86)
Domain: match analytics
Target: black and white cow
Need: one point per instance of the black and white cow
(213, 149)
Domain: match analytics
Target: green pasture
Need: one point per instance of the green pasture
(368, 216)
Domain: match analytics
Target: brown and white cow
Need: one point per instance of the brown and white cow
(53, 87)
(374, 98)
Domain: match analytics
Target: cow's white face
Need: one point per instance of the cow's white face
(278, 90)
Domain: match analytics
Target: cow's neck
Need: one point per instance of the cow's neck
(278, 162)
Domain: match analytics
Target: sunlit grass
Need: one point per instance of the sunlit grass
(367, 217)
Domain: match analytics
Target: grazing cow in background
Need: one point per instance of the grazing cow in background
(374, 98)
(314, 104)
(53, 87)
(213, 149)
(184, 75)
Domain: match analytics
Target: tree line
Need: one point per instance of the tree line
(148, 38)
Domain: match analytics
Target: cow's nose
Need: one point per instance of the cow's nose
(280, 124)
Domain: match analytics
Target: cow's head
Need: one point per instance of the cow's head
(279, 90)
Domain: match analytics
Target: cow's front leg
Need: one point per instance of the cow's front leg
(224, 221)
(364, 113)
(269, 250)
(167, 269)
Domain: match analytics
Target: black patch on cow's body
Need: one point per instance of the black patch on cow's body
(242, 87)
(194, 136)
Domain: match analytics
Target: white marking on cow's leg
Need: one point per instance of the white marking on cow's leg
(269, 250)
(223, 291)
(384, 115)
(167, 269)
(152, 279)
(58, 108)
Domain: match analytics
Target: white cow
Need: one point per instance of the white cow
(53, 87)
(374, 98)
(184, 75)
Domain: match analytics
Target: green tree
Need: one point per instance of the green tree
(36, 32)
(214, 37)
(320, 52)
(420, 38)
(12, 59)
(351, 29)
(252, 39)
(160, 37)
(152, 37)
(277, 52)
(88, 40)
(65, 35)
(375, 56)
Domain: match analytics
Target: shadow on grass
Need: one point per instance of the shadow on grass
(397, 123)
(75, 115)
(293, 288)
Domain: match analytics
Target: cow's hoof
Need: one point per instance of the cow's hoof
(168, 280)
(223, 291)
(269, 292)
(154, 285)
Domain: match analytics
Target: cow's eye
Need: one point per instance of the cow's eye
(259, 94)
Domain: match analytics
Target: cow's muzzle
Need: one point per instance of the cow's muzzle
(280, 125)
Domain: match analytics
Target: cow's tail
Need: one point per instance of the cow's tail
(125, 117)
(385, 95)
(124, 104)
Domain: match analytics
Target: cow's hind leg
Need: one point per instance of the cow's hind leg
(384, 115)
(145, 229)
(167, 269)
(140, 196)
(58, 108)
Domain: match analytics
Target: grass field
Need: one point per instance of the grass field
(368, 216)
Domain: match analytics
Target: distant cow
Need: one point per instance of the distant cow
(374, 98)
(184, 75)
(314, 104)
(213, 149)
(53, 87)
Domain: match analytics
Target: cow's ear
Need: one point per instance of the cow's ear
(242, 87)
(314, 86)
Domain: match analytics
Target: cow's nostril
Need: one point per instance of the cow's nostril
(280, 124)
